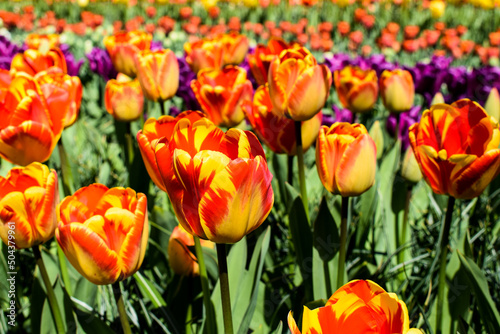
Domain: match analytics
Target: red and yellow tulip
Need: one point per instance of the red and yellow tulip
(33, 61)
(221, 94)
(298, 86)
(104, 232)
(235, 47)
(219, 183)
(122, 48)
(346, 158)
(123, 98)
(278, 132)
(28, 199)
(158, 74)
(32, 119)
(397, 90)
(358, 307)
(456, 147)
(41, 41)
(5, 80)
(357, 89)
(261, 59)
(205, 53)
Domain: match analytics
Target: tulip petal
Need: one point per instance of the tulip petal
(14, 208)
(292, 324)
(148, 156)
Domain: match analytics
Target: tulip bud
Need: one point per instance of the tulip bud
(437, 8)
(410, 170)
(492, 105)
(122, 48)
(437, 99)
(397, 90)
(182, 261)
(123, 98)
(378, 137)
(357, 89)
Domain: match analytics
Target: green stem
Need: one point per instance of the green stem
(224, 289)
(443, 249)
(54, 307)
(162, 107)
(328, 280)
(300, 160)
(211, 326)
(67, 174)
(130, 145)
(402, 253)
(64, 269)
(121, 308)
(343, 241)
(290, 170)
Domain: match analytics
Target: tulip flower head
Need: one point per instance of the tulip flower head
(205, 53)
(261, 59)
(122, 48)
(221, 94)
(397, 90)
(357, 89)
(358, 307)
(278, 132)
(123, 98)
(40, 42)
(456, 147)
(346, 158)
(298, 86)
(104, 232)
(28, 199)
(158, 74)
(33, 61)
(235, 47)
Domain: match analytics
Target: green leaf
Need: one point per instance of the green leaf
(477, 281)
(278, 329)
(149, 290)
(326, 237)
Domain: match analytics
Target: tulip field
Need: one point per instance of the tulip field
(250, 166)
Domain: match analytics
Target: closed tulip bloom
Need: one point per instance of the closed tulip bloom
(123, 98)
(182, 261)
(31, 120)
(456, 147)
(221, 93)
(28, 199)
(33, 61)
(397, 90)
(298, 86)
(104, 232)
(358, 307)
(261, 59)
(54, 79)
(219, 183)
(492, 105)
(158, 74)
(410, 171)
(204, 53)
(357, 89)
(122, 48)
(235, 47)
(41, 41)
(437, 8)
(278, 132)
(346, 158)
(161, 129)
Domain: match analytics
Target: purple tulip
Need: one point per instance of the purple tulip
(100, 63)
(406, 120)
(185, 91)
(72, 65)
(8, 50)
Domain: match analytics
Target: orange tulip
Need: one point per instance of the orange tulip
(278, 132)
(5, 80)
(261, 59)
(123, 98)
(205, 53)
(456, 147)
(358, 307)
(346, 158)
(122, 48)
(235, 47)
(397, 90)
(219, 183)
(53, 80)
(357, 89)
(221, 93)
(31, 119)
(182, 261)
(40, 41)
(34, 61)
(298, 86)
(28, 198)
(104, 232)
(158, 74)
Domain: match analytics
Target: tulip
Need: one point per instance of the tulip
(410, 171)
(103, 232)
(122, 48)
(158, 74)
(31, 120)
(437, 99)
(33, 61)
(298, 86)
(456, 147)
(397, 90)
(28, 199)
(219, 183)
(261, 59)
(346, 158)
(278, 132)
(5, 80)
(203, 54)
(378, 137)
(357, 307)
(221, 93)
(182, 261)
(437, 8)
(492, 105)
(40, 42)
(357, 89)
(235, 47)
(123, 98)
